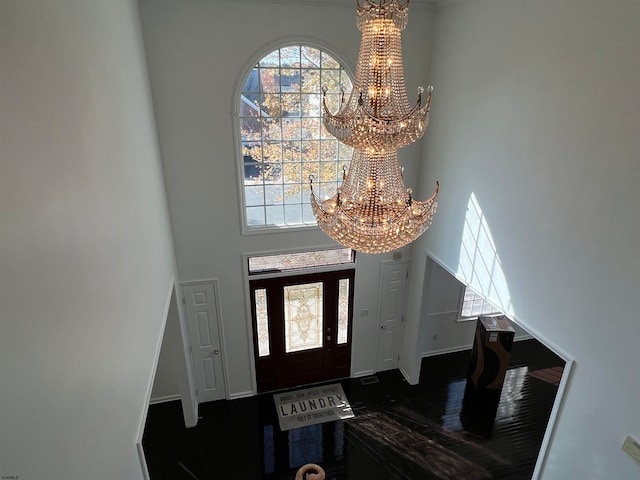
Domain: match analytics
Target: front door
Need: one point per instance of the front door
(302, 328)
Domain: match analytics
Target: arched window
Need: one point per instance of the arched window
(283, 140)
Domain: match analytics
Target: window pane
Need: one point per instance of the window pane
(254, 195)
(328, 61)
(343, 310)
(307, 214)
(291, 130)
(292, 214)
(310, 149)
(294, 261)
(271, 60)
(274, 194)
(262, 322)
(255, 215)
(281, 132)
(275, 215)
(474, 305)
(303, 323)
(290, 56)
(270, 80)
(310, 57)
(310, 80)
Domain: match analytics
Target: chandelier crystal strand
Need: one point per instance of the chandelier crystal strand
(377, 112)
(373, 211)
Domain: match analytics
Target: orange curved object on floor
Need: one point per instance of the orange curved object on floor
(310, 467)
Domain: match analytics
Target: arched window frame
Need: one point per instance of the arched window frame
(343, 158)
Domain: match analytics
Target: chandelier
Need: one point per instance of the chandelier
(373, 211)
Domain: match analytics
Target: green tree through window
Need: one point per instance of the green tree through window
(283, 139)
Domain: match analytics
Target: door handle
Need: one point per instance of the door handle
(216, 351)
(383, 327)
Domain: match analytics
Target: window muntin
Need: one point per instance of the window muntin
(283, 138)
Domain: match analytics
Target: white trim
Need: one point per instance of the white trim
(143, 460)
(189, 394)
(303, 271)
(246, 278)
(165, 399)
(445, 312)
(462, 348)
(363, 373)
(444, 351)
(551, 424)
(245, 394)
(221, 336)
(156, 357)
(249, 324)
(234, 113)
(406, 376)
(223, 345)
(526, 336)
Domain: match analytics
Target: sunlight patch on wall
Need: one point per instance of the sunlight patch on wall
(479, 265)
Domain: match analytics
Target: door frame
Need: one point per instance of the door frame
(331, 353)
(244, 266)
(383, 264)
(221, 336)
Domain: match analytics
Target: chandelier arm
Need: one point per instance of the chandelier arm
(360, 107)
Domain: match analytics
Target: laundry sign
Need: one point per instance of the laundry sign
(309, 406)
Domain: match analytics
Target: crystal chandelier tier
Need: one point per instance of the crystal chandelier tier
(373, 211)
(377, 113)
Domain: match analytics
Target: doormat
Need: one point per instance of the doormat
(309, 406)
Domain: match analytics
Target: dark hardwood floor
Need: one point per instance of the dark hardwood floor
(439, 429)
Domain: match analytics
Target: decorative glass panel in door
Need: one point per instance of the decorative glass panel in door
(303, 322)
(302, 328)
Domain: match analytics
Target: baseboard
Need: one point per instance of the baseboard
(462, 348)
(245, 394)
(518, 338)
(166, 398)
(444, 351)
(404, 373)
(363, 373)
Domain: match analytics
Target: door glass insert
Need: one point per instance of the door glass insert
(262, 322)
(303, 316)
(343, 310)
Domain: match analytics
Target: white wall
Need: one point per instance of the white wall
(535, 121)
(85, 249)
(441, 330)
(197, 53)
(166, 382)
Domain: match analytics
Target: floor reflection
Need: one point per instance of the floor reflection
(440, 428)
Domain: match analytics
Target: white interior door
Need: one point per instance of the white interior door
(393, 283)
(202, 320)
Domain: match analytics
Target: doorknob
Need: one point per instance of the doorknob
(216, 351)
(383, 327)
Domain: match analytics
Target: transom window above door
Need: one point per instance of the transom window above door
(283, 141)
